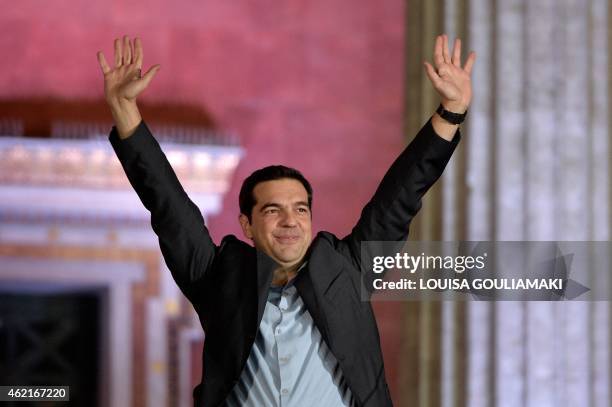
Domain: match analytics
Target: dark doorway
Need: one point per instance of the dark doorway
(51, 339)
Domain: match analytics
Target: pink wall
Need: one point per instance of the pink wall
(317, 85)
(312, 84)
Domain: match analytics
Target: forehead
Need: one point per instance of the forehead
(279, 191)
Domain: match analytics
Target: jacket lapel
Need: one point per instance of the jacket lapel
(265, 271)
(322, 269)
(325, 265)
(304, 286)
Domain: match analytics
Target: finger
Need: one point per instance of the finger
(457, 53)
(445, 49)
(433, 76)
(470, 62)
(102, 61)
(131, 51)
(438, 58)
(118, 56)
(138, 53)
(148, 77)
(127, 50)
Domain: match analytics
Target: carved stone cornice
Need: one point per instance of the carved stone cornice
(64, 178)
(93, 164)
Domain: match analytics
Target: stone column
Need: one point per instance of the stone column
(535, 166)
(480, 184)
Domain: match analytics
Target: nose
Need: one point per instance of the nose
(288, 219)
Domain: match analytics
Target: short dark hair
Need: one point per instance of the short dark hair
(246, 199)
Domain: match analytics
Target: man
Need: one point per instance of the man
(284, 322)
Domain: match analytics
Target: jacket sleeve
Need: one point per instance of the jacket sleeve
(183, 238)
(388, 214)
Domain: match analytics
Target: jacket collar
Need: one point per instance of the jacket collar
(324, 264)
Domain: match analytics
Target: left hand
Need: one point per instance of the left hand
(451, 81)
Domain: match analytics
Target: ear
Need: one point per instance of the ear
(246, 226)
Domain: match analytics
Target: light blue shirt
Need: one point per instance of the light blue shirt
(290, 364)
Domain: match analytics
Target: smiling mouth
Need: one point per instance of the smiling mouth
(287, 239)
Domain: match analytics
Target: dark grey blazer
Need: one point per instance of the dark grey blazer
(228, 284)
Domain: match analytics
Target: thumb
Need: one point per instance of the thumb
(431, 73)
(148, 77)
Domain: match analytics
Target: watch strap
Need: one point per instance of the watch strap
(451, 117)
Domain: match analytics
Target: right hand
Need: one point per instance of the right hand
(124, 82)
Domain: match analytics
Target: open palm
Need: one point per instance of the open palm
(124, 81)
(451, 81)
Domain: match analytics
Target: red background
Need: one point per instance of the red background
(316, 85)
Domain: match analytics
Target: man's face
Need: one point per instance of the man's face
(281, 224)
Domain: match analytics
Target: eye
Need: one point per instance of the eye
(303, 210)
(271, 211)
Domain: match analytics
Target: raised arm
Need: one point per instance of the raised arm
(398, 198)
(184, 240)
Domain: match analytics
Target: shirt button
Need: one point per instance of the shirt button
(285, 391)
(283, 308)
(278, 331)
(284, 359)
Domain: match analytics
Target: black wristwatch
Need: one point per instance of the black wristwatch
(453, 118)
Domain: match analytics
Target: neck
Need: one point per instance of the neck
(283, 275)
